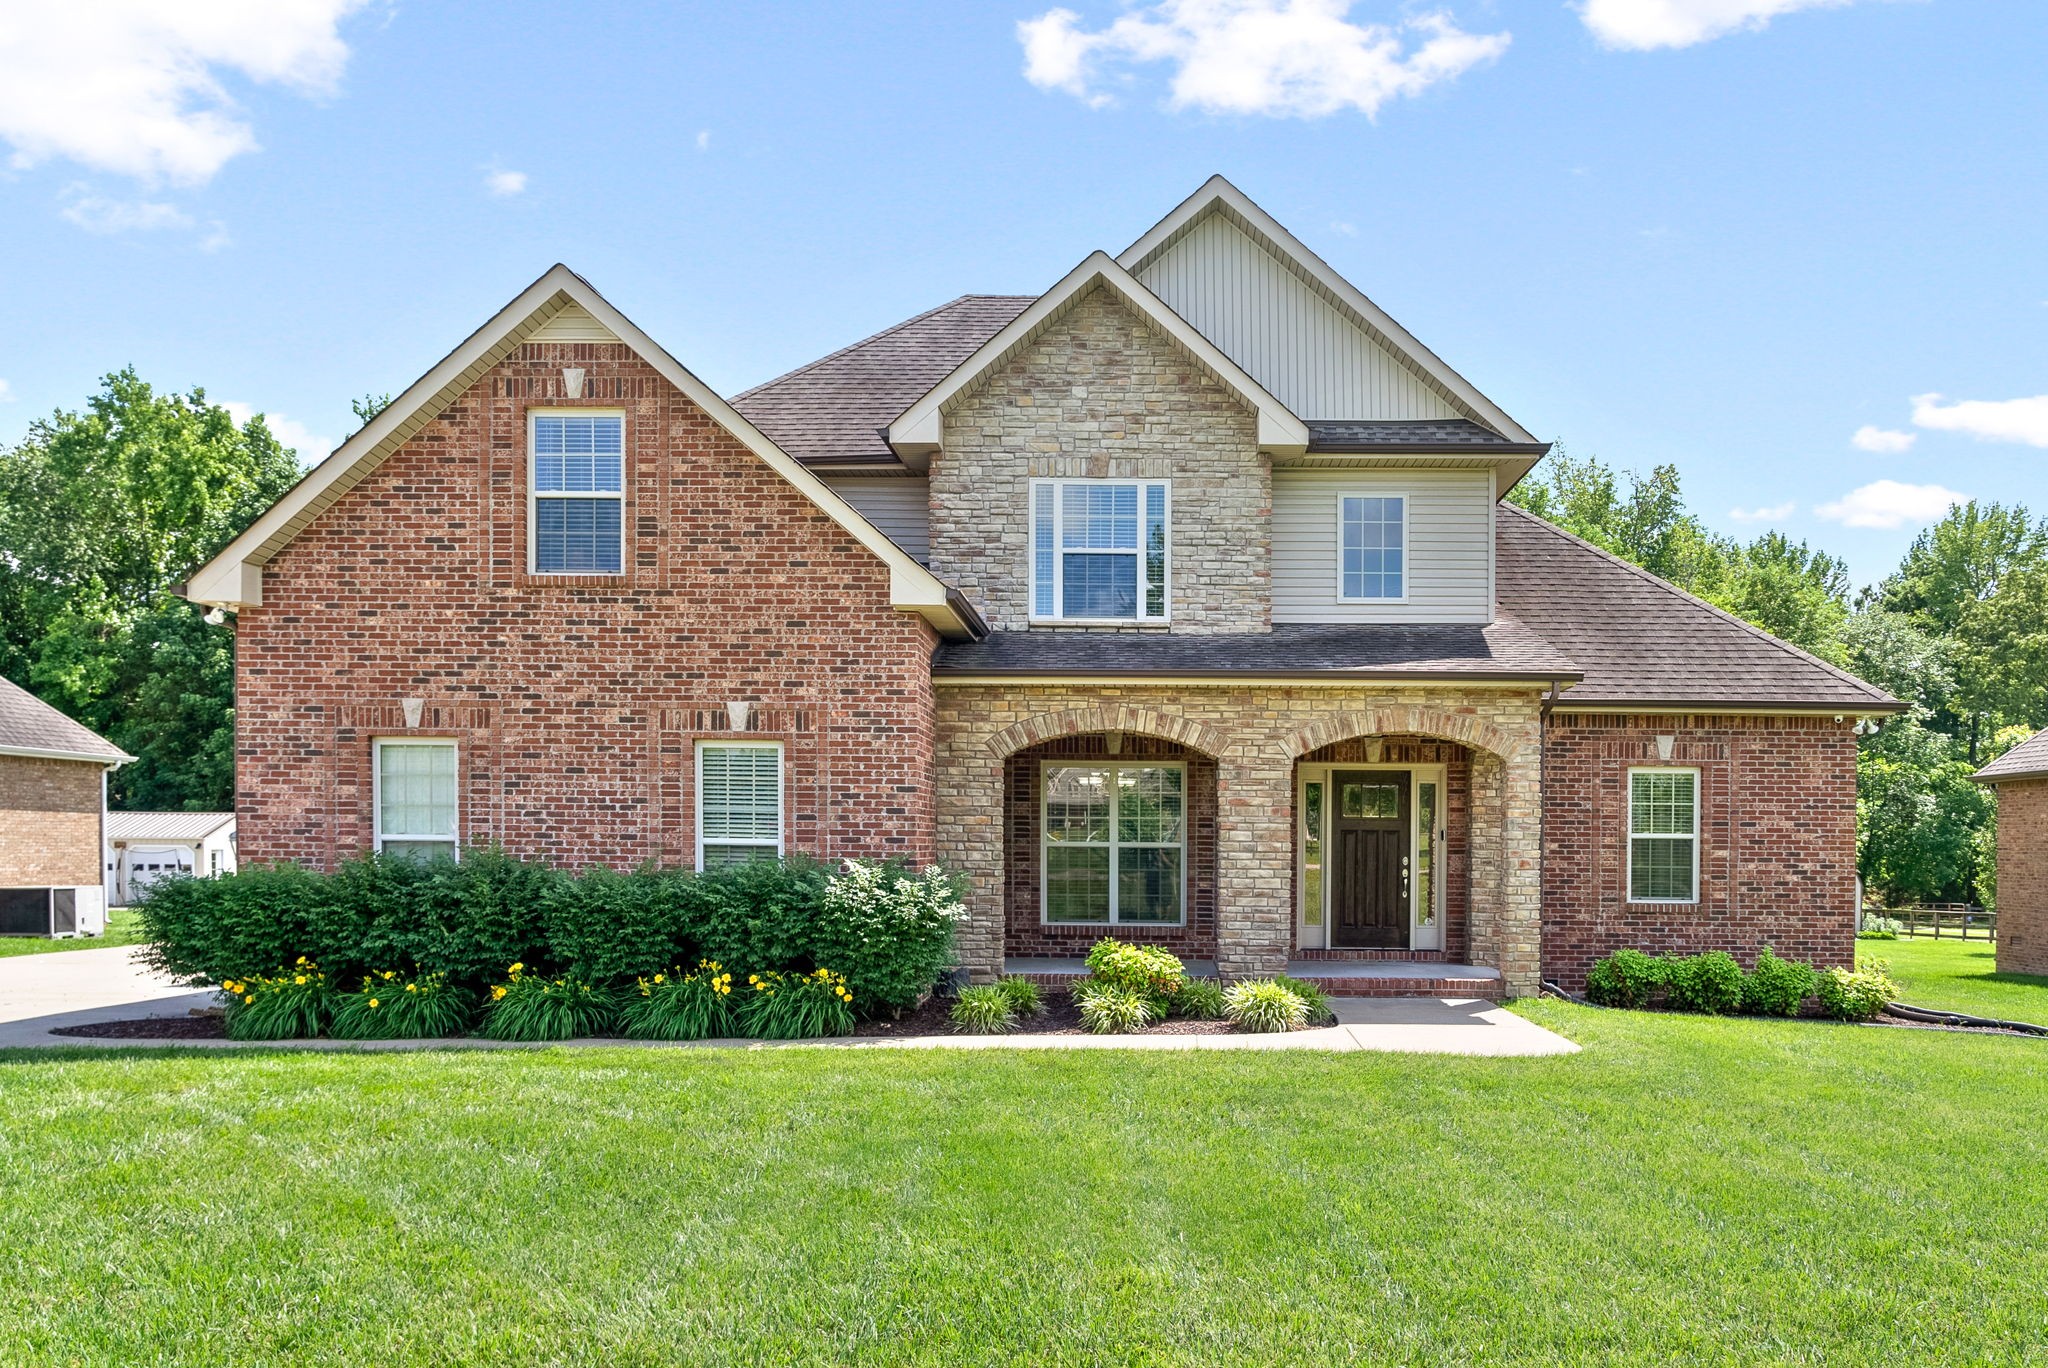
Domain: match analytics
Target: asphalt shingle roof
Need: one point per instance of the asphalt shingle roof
(834, 411)
(1408, 434)
(29, 724)
(1645, 642)
(2027, 760)
(1501, 650)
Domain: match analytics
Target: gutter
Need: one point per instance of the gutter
(114, 761)
(1333, 678)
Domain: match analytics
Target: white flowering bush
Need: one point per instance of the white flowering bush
(888, 929)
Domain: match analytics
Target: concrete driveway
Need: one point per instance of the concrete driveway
(70, 987)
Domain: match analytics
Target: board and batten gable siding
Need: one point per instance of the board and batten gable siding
(900, 507)
(1450, 545)
(1283, 332)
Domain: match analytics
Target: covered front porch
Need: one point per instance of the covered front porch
(1377, 845)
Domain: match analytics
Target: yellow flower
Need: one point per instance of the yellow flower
(661, 978)
(249, 999)
(497, 992)
(390, 974)
(373, 1002)
(412, 987)
(298, 978)
(302, 959)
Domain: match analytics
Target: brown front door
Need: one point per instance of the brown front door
(1369, 859)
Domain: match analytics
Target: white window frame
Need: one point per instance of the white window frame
(781, 795)
(1407, 523)
(1629, 798)
(1044, 844)
(534, 493)
(1051, 488)
(379, 835)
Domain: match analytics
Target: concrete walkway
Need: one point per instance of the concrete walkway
(39, 992)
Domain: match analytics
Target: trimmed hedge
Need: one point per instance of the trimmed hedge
(1714, 983)
(887, 929)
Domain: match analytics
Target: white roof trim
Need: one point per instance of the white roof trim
(114, 761)
(916, 433)
(1219, 195)
(234, 578)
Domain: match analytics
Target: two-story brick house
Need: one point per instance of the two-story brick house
(1178, 603)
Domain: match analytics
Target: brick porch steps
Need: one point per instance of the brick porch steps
(1410, 956)
(1405, 977)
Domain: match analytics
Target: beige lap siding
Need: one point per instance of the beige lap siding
(49, 823)
(577, 700)
(1777, 853)
(2023, 876)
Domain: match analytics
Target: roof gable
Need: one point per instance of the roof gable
(32, 728)
(234, 578)
(2027, 760)
(1230, 268)
(916, 432)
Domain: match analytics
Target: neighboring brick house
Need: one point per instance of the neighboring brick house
(53, 800)
(1178, 602)
(2020, 779)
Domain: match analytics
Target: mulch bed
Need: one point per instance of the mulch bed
(1060, 1017)
(204, 1026)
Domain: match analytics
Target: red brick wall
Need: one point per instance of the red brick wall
(577, 700)
(1025, 934)
(49, 822)
(1777, 839)
(2023, 877)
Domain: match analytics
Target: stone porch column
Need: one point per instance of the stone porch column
(1254, 865)
(1507, 867)
(968, 823)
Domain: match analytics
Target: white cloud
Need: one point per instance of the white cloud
(1988, 420)
(1766, 513)
(505, 182)
(1640, 25)
(7, 395)
(1285, 58)
(294, 434)
(97, 213)
(1887, 504)
(1886, 440)
(134, 87)
(703, 140)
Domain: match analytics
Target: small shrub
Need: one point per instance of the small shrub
(1710, 983)
(1262, 1005)
(1109, 1010)
(393, 1007)
(1878, 927)
(1025, 1001)
(888, 931)
(1776, 987)
(1138, 969)
(1626, 978)
(985, 1010)
(778, 1006)
(1312, 997)
(680, 1006)
(292, 1004)
(1200, 1000)
(1852, 995)
(533, 1007)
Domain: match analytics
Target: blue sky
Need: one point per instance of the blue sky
(1727, 234)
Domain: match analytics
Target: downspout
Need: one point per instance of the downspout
(1543, 818)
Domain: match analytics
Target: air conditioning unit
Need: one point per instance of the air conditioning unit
(53, 912)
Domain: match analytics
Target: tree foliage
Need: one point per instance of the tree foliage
(102, 513)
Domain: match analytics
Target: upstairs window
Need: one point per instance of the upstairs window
(1663, 835)
(1098, 550)
(579, 493)
(1373, 547)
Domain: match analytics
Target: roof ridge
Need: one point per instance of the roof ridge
(1659, 582)
(871, 338)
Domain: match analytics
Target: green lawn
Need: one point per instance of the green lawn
(124, 927)
(1959, 976)
(1687, 1190)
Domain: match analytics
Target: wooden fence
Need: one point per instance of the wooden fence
(1955, 921)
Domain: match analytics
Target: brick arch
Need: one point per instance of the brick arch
(1116, 717)
(1409, 720)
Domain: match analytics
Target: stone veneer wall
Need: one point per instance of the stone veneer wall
(1255, 734)
(49, 822)
(2023, 876)
(1777, 839)
(577, 700)
(1102, 395)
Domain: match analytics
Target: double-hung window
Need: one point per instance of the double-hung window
(739, 802)
(1373, 547)
(1098, 550)
(1663, 835)
(1115, 843)
(416, 798)
(579, 493)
